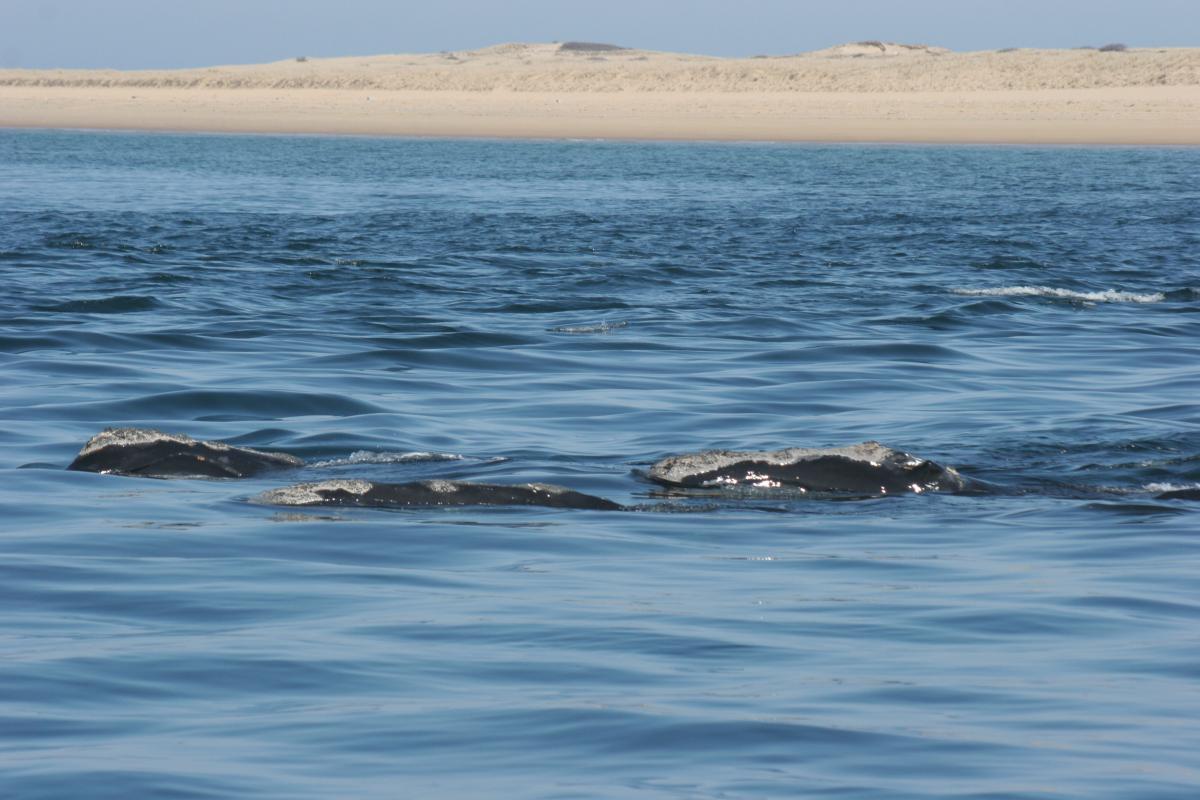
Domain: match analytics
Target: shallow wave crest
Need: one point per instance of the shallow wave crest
(370, 457)
(599, 327)
(1158, 488)
(1106, 296)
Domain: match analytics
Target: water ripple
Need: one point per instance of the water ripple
(570, 313)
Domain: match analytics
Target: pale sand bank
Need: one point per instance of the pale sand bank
(844, 94)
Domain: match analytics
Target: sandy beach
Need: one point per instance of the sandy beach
(870, 92)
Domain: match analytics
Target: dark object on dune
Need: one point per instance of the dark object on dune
(868, 469)
(588, 47)
(1179, 494)
(431, 493)
(1115, 47)
(149, 453)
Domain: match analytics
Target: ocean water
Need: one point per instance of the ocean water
(570, 312)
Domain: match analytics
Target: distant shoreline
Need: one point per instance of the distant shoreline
(906, 95)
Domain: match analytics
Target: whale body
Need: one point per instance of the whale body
(431, 493)
(149, 453)
(867, 469)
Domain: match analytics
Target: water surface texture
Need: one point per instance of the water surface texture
(570, 312)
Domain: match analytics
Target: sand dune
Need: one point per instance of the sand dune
(548, 68)
(865, 91)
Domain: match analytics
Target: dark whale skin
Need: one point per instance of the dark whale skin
(147, 453)
(868, 469)
(368, 494)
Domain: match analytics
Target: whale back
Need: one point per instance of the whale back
(432, 493)
(149, 453)
(869, 468)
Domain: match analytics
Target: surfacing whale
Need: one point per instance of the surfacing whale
(431, 493)
(869, 469)
(148, 453)
(864, 470)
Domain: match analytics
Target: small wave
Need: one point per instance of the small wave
(600, 327)
(1159, 488)
(217, 406)
(372, 457)
(1106, 296)
(170, 277)
(120, 304)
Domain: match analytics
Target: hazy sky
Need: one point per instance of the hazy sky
(132, 34)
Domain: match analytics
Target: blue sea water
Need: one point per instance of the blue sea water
(570, 312)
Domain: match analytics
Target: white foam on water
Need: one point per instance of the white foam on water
(1107, 296)
(1158, 488)
(370, 457)
(601, 327)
